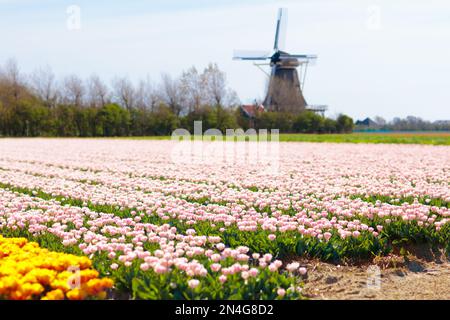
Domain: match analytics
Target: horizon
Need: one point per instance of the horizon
(375, 58)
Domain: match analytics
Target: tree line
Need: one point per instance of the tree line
(410, 123)
(39, 104)
(304, 122)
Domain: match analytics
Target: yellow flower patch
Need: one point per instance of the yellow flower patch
(30, 272)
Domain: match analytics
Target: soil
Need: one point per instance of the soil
(420, 274)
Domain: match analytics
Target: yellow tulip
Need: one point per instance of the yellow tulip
(27, 271)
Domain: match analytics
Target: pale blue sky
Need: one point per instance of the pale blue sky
(398, 67)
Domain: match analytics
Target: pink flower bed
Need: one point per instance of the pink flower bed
(321, 191)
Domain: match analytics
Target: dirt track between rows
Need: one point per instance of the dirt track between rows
(418, 277)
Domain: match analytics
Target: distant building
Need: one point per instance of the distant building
(250, 111)
(369, 123)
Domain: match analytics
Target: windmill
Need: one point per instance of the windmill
(285, 89)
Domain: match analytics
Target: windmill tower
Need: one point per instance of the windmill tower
(285, 88)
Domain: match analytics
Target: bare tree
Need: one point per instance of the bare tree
(74, 90)
(171, 93)
(232, 99)
(192, 86)
(146, 97)
(98, 92)
(380, 121)
(12, 80)
(44, 85)
(216, 84)
(124, 92)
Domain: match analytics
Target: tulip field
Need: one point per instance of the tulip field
(140, 226)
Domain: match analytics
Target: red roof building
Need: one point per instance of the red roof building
(251, 110)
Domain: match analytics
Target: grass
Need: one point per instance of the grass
(429, 138)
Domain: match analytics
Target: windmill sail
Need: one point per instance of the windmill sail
(280, 34)
(251, 55)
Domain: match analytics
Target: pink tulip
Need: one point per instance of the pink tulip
(292, 266)
(281, 292)
(193, 283)
(215, 267)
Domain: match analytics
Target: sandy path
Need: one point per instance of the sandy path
(416, 278)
